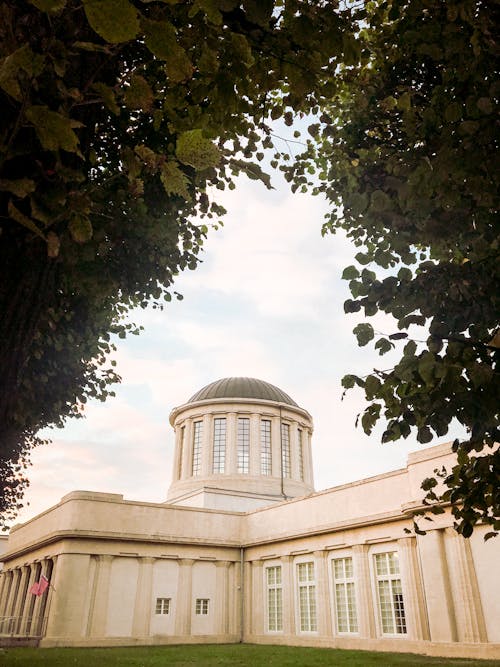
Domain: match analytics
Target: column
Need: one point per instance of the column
(364, 597)
(221, 597)
(187, 454)
(206, 446)
(288, 596)
(254, 444)
(247, 592)
(324, 608)
(258, 609)
(437, 587)
(308, 462)
(276, 446)
(5, 580)
(184, 593)
(468, 609)
(231, 467)
(294, 451)
(142, 609)
(178, 453)
(99, 604)
(413, 588)
(21, 599)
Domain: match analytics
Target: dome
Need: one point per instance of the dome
(242, 388)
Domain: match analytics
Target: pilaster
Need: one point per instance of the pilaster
(231, 467)
(142, 608)
(221, 597)
(412, 585)
(322, 594)
(288, 595)
(99, 605)
(364, 597)
(254, 444)
(184, 593)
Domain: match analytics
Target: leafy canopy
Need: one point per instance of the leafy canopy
(118, 119)
(406, 151)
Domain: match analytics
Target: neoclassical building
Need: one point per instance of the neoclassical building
(245, 550)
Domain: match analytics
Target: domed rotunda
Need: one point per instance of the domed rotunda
(240, 443)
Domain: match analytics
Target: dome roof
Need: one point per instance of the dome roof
(242, 388)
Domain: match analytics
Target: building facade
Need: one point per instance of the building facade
(245, 550)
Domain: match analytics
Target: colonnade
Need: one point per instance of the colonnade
(21, 612)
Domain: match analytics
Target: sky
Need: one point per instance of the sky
(267, 302)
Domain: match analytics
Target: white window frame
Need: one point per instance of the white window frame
(202, 606)
(266, 453)
(286, 454)
(219, 445)
(345, 581)
(162, 606)
(243, 445)
(392, 578)
(197, 443)
(309, 586)
(275, 587)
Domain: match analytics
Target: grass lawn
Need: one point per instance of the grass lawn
(234, 655)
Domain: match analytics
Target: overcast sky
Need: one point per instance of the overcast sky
(267, 302)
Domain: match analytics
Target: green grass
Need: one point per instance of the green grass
(235, 655)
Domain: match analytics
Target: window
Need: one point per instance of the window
(345, 600)
(390, 594)
(162, 606)
(197, 434)
(219, 444)
(201, 608)
(274, 599)
(265, 447)
(307, 597)
(301, 456)
(243, 444)
(285, 450)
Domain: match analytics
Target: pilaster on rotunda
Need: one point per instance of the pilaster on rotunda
(240, 443)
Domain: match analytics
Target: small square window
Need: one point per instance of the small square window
(201, 608)
(162, 606)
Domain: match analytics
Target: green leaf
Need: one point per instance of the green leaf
(108, 97)
(19, 187)
(252, 170)
(383, 346)
(364, 333)
(114, 20)
(350, 273)
(80, 228)
(196, 151)
(174, 180)
(426, 366)
(138, 95)
(23, 59)
(49, 6)
(16, 215)
(54, 130)
(161, 39)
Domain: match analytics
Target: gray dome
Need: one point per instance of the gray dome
(242, 388)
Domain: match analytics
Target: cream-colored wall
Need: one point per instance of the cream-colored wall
(113, 558)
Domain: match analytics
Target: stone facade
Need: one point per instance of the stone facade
(334, 568)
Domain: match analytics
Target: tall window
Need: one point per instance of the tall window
(301, 456)
(345, 600)
(197, 434)
(274, 599)
(307, 597)
(390, 594)
(265, 447)
(285, 449)
(219, 445)
(181, 453)
(243, 444)
(162, 606)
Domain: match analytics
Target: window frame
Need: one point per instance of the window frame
(161, 605)
(277, 587)
(344, 556)
(266, 451)
(243, 446)
(390, 577)
(309, 585)
(202, 606)
(197, 445)
(219, 445)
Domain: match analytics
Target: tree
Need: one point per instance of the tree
(118, 118)
(407, 153)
